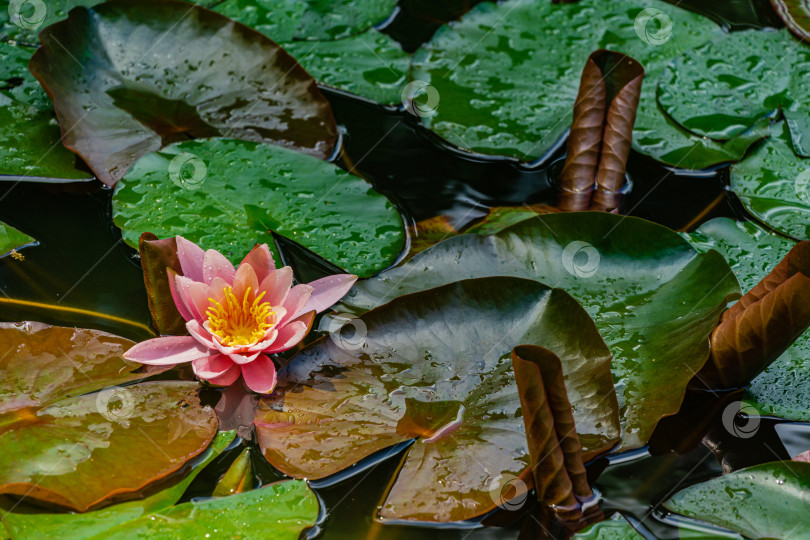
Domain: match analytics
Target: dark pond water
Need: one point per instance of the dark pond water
(83, 268)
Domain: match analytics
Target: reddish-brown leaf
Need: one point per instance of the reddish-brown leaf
(796, 16)
(157, 256)
(757, 329)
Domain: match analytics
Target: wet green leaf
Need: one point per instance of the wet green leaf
(773, 184)
(238, 477)
(764, 501)
(654, 298)
(616, 528)
(68, 435)
(11, 238)
(26, 522)
(286, 20)
(782, 389)
(507, 75)
(279, 511)
(226, 195)
(121, 103)
(436, 367)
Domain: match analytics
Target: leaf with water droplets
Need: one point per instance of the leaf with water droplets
(435, 366)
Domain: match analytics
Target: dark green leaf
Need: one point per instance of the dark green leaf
(238, 477)
(435, 366)
(654, 298)
(226, 195)
(120, 103)
(616, 528)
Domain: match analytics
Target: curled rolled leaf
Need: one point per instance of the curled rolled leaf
(556, 455)
(156, 256)
(796, 16)
(762, 325)
(601, 134)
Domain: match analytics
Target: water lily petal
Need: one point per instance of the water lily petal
(191, 258)
(327, 291)
(295, 302)
(200, 333)
(261, 260)
(244, 358)
(217, 289)
(289, 337)
(277, 284)
(227, 378)
(260, 375)
(183, 286)
(216, 265)
(209, 367)
(198, 292)
(178, 301)
(245, 277)
(166, 351)
(268, 340)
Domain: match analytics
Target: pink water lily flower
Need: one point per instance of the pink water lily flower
(236, 317)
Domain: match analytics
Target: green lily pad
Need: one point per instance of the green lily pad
(30, 141)
(654, 298)
(507, 75)
(288, 20)
(773, 184)
(11, 238)
(616, 528)
(782, 389)
(435, 366)
(280, 511)
(121, 103)
(227, 194)
(370, 65)
(764, 501)
(26, 522)
(68, 434)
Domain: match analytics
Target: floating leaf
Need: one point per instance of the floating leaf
(507, 75)
(435, 366)
(286, 20)
(56, 437)
(280, 511)
(371, 65)
(157, 257)
(764, 501)
(796, 16)
(773, 184)
(125, 102)
(237, 479)
(238, 191)
(752, 252)
(27, 522)
(655, 300)
(12, 239)
(601, 133)
(559, 475)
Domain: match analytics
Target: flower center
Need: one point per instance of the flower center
(239, 322)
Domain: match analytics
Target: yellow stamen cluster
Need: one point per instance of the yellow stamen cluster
(239, 322)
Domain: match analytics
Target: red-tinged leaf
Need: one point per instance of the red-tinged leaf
(796, 16)
(157, 256)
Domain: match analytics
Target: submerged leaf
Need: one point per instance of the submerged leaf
(557, 469)
(762, 324)
(237, 192)
(435, 366)
(157, 257)
(654, 298)
(125, 102)
(56, 436)
(764, 501)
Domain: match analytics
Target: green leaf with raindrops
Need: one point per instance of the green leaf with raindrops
(227, 195)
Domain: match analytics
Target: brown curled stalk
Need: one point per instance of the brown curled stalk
(156, 256)
(762, 325)
(557, 467)
(593, 176)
